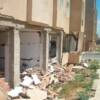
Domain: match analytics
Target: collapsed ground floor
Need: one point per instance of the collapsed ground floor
(24, 47)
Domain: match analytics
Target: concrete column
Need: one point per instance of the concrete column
(44, 51)
(80, 42)
(7, 58)
(60, 46)
(12, 58)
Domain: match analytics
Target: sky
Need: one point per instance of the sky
(98, 16)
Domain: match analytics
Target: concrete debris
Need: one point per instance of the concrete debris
(45, 82)
(24, 73)
(52, 95)
(85, 65)
(27, 81)
(35, 85)
(14, 93)
(51, 68)
(37, 94)
(78, 67)
(54, 61)
(36, 80)
(53, 79)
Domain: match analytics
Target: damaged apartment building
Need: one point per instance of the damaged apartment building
(33, 32)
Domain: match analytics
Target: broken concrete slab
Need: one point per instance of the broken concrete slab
(78, 67)
(27, 81)
(85, 65)
(14, 93)
(36, 80)
(51, 68)
(37, 94)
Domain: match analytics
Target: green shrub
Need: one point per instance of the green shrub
(94, 75)
(83, 96)
(79, 77)
(98, 49)
(94, 65)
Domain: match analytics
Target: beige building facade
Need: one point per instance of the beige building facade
(14, 8)
(33, 32)
(28, 37)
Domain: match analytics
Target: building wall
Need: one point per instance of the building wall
(75, 15)
(87, 24)
(82, 27)
(40, 11)
(83, 16)
(90, 23)
(63, 14)
(30, 48)
(89, 19)
(14, 8)
(95, 22)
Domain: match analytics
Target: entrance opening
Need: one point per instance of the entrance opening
(71, 43)
(52, 46)
(30, 50)
(2, 69)
(2, 53)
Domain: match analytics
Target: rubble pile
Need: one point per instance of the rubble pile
(34, 84)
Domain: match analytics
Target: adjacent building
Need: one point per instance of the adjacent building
(90, 25)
